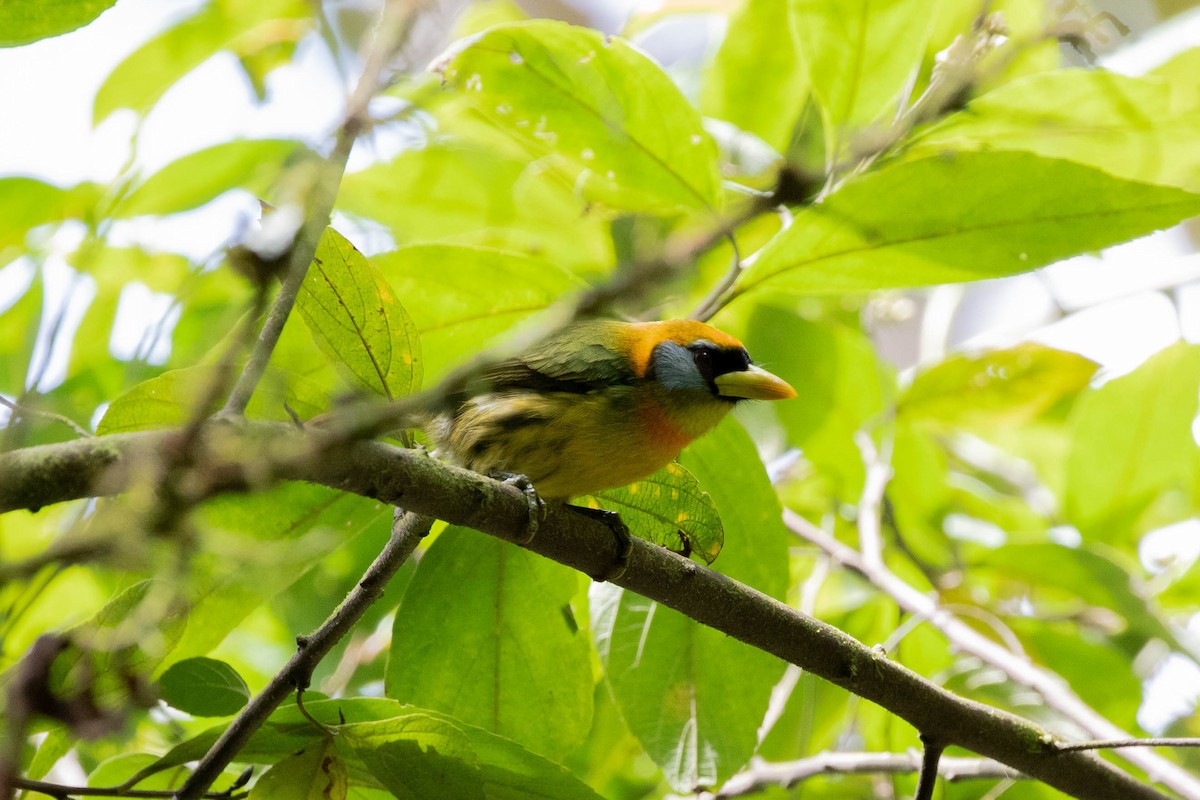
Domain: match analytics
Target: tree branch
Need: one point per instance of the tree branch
(407, 532)
(243, 456)
(764, 775)
(1057, 694)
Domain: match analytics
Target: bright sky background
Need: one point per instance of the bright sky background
(1124, 302)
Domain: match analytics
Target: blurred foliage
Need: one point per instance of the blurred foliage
(540, 160)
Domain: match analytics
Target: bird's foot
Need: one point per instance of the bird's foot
(537, 508)
(621, 535)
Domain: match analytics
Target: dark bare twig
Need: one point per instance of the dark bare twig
(62, 792)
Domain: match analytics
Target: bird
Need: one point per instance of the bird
(599, 405)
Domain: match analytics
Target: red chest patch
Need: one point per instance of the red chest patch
(661, 431)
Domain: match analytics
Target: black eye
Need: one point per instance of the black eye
(703, 356)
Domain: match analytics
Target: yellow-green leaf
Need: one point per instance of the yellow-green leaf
(964, 217)
(1013, 385)
(757, 80)
(1144, 129)
(860, 54)
(601, 107)
(147, 73)
(463, 298)
(1131, 440)
(357, 321)
(25, 21)
(456, 192)
(196, 178)
(314, 773)
(670, 509)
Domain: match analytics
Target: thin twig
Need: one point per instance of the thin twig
(407, 532)
(710, 304)
(763, 775)
(1114, 744)
(62, 792)
(21, 409)
(870, 504)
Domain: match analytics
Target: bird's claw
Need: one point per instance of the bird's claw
(621, 536)
(537, 508)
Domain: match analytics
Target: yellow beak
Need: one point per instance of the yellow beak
(754, 383)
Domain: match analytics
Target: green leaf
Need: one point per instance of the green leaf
(920, 494)
(196, 178)
(965, 217)
(58, 743)
(509, 771)
(455, 192)
(261, 544)
(1132, 440)
(416, 756)
(357, 321)
(1140, 129)
(483, 14)
(118, 769)
(140, 651)
(1181, 593)
(606, 112)
(462, 298)
(757, 80)
(670, 509)
(1100, 673)
(314, 773)
(509, 659)
(18, 333)
(204, 687)
(695, 697)
(1051, 573)
(726, 463)
(26, 203)
(844, 388)
(999, 387)
(860, 54)
(164, 401)
(25, 21)
(170, 399)
(147, 73)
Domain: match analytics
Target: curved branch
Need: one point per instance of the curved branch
(239, 457)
